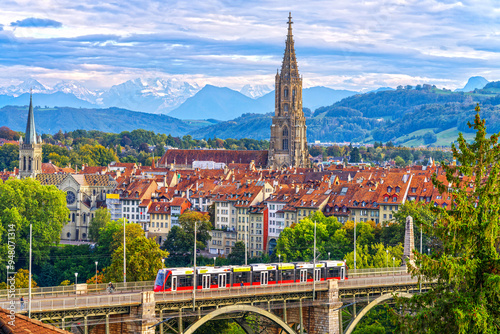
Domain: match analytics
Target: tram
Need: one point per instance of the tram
(179, 279)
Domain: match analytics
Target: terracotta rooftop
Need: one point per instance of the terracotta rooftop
(23, 324)
(186, 157)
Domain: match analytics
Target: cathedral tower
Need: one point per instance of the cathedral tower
(288, 144)
(30, 150)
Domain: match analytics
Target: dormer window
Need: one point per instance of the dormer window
(394, 199)
(398, 189)
(363, 203)
(389, 189)
(413, 190)
(355, 203)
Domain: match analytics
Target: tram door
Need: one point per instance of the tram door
(174, 283)
(264, 277)
(342, 273)
(303, 275)
(222, 280)
(317, 274)
(205, 282)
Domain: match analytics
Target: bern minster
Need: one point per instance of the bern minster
(288, 144)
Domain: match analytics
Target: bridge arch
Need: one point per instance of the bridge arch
(238, 308)
(374, 303)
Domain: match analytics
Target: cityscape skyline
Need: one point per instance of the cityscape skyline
(359, 45)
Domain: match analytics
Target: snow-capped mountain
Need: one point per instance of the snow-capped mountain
(255, 91)
(154, 95)
(24, 87)
(78, 90)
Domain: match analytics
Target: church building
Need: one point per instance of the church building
(288, 144)
(30, 149)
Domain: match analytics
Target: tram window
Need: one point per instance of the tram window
(334, 272)
(168, 283)
(241, 277)
(214, 279)
(256, 277)
(286, 275)
(272, 276)
(160, 278)
(186, 280)
(310, 273)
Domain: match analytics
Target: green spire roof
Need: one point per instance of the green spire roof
(30, 136)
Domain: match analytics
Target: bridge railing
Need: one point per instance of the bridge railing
(69, 290)
(378, 281)
(74, 303)
(354, 273)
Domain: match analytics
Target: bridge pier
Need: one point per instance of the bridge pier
(326, 316)
(145, 314)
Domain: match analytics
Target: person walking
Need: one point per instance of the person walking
(22, 303)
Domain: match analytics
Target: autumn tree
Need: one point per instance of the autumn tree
(466, 271)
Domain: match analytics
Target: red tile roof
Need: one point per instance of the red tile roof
(23, 324)
(186, 157)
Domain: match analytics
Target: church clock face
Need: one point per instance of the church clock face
(70, 197)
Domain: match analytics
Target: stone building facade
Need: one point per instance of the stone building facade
(288, 143)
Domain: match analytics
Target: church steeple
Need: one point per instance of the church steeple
(289, 67)
(288, 143)
(30, 135)
(30, 150)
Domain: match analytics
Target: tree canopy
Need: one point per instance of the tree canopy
(466, 270)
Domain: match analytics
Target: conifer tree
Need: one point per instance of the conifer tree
(466, 270)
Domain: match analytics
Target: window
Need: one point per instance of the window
(285, 93)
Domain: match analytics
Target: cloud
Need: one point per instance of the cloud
(36, 23)
(1, 27)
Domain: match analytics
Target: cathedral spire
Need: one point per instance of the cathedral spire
(289, 67)
(30, 135)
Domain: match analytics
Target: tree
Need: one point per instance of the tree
(22, 279)
(466, 272)
(101, 218)
(237, 255)
(429, 138)
(8, 134)
(203, 226)
(355, 157)
(26, 201)
(9, 156)
(400, 162)
(140, 251)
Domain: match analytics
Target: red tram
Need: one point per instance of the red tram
(179, 279)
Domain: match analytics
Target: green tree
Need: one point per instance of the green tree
(466, 272)
(22, 279)
(237, 255)
(400, 162)
(26, 201)
(101, 218)
(139, 251)
(355, 157)
(9, 156)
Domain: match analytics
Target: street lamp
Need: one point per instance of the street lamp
(387, 258)
(428, 251)
(279, 266)
(124, 255)
(214, 261)
(393, 275)
(76, 283)
(162, 262)
(328, 256)
(354, 243)
(194, 272)
(96, 276)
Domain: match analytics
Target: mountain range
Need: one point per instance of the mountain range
(401, 115)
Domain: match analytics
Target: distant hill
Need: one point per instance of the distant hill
(473, 83)
(225, 104)
(402, 116)
(108, 120)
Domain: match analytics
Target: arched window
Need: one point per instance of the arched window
(285, 107)
(29, 164)
(24, 163)
(285, 144)
(285, 93)
(285, 132)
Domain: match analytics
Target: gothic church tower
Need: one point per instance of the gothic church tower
(30, 150)
(288, 144)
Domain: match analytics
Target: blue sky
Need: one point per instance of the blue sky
(351, 44)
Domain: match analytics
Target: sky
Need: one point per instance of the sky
(342, 44)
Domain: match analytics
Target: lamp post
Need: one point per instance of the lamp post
(124, 255)
(279, 267)
(314, 266)
(31, 241)
(162, 263)
(428, 251)
(76, 283)
(328, 256)
(194, 273)
(387, 258)
(354, 243)
(96, 276)
(393, 277)
(214, 261)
